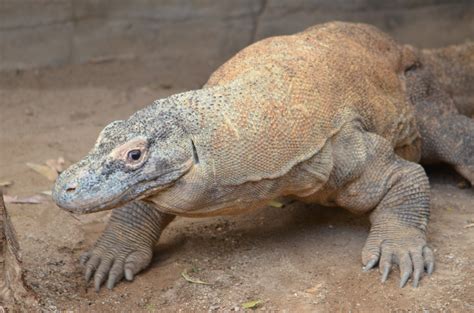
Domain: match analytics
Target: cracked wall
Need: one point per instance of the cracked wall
(39, 33)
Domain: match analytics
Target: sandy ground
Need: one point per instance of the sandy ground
(296, 258)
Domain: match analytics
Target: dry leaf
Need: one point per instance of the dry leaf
(25, 200)
(44, 170)
(469, 225)
(315, 289)
(275, 204)
(112, 58)
(252, 304)
(57, 165)
(193, 280)
(6, 183)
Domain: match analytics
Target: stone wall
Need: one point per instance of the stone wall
(39, 33)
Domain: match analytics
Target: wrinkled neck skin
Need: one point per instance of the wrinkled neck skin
(218, 183)
(200, 191)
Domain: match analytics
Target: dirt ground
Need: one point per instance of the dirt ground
(298, 258)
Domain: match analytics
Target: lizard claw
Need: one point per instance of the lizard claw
(371, 264)
(413, 257)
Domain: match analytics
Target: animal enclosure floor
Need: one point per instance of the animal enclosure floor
(299, 258)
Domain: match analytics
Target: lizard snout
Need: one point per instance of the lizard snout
(71, 191)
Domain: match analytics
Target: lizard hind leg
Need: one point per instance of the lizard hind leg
(464, 155)
(447, 138)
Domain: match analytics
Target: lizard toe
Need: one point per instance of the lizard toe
(429, 260)
(406, 266)
(91, 265)
(85, 257)
(412, 256)
(112, 265)
(135, 262)
(116, 273)
(418, 265)
(102, 271)
(385, 264)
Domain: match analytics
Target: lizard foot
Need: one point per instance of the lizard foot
(113, 260)
(409, 252)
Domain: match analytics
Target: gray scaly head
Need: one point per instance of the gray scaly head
(131, 159)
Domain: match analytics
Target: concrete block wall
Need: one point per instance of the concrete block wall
(41, 33)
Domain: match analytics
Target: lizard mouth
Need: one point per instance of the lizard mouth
(77, 201)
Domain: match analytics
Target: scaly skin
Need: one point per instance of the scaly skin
(126, 246)
(337, 115)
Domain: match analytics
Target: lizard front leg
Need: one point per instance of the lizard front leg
(397, 191)
(126, 246)
(399, 222)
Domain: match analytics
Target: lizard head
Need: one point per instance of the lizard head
(132, 159)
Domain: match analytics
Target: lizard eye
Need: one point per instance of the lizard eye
(134, 155)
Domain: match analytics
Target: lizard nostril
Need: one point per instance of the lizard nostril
(71, 189)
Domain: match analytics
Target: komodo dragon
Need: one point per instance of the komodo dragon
(337, 115)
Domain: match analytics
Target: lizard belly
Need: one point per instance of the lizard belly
(194, 195)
